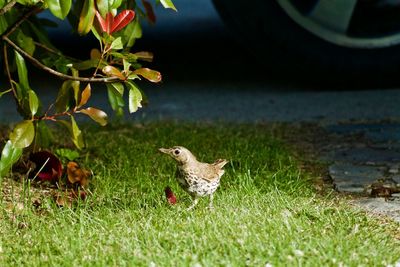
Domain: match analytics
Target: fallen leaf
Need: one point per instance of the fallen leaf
(48, 166)
(171, 198)
(78, 175)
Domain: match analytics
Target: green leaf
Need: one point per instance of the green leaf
(41, 35)
(28, 2)
(9, 155)
(3, 24)
(65, 98)
(77, 136)
(119, 87)
(96, 34)
(117, 44)
(105, 6)
(59, 8)
(76, 86)
(62, 64)
(67, 154)
(135, 97)
(43, 136)
(133, 76)
(127, 65)
(26, 43)
(23, 100)
(22, 71)
(33, 102)
(88, 64)
(23, 134)
(115, 97)
(168, 4)
(86, 18)
(97, 115)
(131, 32)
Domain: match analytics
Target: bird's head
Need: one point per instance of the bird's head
(179, 153)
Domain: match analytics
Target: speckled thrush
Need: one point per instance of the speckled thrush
(198, 179)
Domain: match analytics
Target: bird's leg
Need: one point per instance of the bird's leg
(195, 200)
(210, 206)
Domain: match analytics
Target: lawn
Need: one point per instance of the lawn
(266, 210)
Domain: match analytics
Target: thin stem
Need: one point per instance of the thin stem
(54, 116)
(8, 71)
(98, 64)
(21, 20)
(7, 7)
(63, 76)
(51, 50)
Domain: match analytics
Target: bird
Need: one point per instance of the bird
(197, 178)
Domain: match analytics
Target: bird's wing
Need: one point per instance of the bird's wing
(209, 172)
(220, 163)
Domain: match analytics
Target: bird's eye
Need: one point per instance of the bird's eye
(177, 152)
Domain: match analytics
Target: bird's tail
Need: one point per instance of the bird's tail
(220, 163)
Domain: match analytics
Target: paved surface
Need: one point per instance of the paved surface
(208, 77)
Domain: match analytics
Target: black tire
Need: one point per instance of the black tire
(275, 39)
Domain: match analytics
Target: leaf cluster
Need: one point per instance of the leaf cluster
(116, 24)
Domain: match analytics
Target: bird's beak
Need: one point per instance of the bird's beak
(164, 150)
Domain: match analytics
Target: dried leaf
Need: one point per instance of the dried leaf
(95, 54)
(145, 56)
(86, 93)
(113, 72)
(77, 175)
(97, 115)
(151, 75)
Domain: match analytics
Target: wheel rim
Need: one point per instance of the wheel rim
(332, 20)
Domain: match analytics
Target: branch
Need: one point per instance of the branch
(21, 20)
(40, 65)
(63, 76)
(7, 7)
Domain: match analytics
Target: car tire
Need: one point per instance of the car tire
(280, 43)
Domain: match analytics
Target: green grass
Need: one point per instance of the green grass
(266, 210)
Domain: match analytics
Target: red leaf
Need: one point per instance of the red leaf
(48, 164)
(149, 11)
(171, 198)
(109, 22)
(102, 22)
(121, 20)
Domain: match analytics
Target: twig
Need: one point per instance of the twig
(7, 7)
(56, 73)
(51, 50)
(8, 71)
(21, 20)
